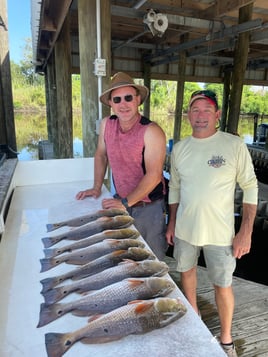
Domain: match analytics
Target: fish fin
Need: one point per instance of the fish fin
(105, 219)
(90, 340)
(53, 226)
(111, 240)
(85, 293)
(134, 302)
(49, 263)
(76, 261)
(126, 261)
(49, 313)
(143, 306)
(58, 343)
(119, 252)
(110, 212)
(94, 317)
(135, 282)
(80, 312)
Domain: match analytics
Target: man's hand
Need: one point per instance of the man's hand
(92, 192)
(108, 203)
(241, 245)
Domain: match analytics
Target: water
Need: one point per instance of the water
(31, 128)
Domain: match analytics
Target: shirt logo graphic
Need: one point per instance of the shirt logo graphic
(216, 161)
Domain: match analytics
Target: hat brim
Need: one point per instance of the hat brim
(203, 97)
(143, 92)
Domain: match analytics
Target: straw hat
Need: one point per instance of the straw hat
(119, 80)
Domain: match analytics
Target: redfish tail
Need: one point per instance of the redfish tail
(54, 295)
(53, 226)
(58, 343)
(53, 252)
(50, 253)
(50, 241)
(49, 263)
(49, 313)
(49, 283)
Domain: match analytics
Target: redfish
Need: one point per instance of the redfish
(123, 233)
(91, 228)
(109, 298)
(98, 265)
(138, 317)
(85, 255)
(126, 269)
(79, 221)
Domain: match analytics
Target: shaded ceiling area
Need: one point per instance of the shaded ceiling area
(157, 32)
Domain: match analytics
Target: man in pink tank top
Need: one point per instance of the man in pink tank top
(135, 149)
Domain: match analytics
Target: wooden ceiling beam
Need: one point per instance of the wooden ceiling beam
(221, 8)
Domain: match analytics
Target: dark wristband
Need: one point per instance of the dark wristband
(125, 202)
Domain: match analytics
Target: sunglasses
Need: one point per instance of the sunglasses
(128, 98)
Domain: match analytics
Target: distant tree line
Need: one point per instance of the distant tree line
(29, 90)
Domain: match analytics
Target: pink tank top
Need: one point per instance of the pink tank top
(125, 151)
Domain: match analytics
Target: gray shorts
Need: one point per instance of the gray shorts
(150, 221)
(219, 260)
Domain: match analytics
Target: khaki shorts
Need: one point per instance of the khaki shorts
(220, 261)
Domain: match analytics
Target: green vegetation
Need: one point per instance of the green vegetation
(30, 104)
(29, 91)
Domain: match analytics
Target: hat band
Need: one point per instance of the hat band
(122, 84)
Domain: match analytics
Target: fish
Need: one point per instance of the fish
(79, 221)
(85, 255)
(123, 233)
(126, 269)
(98, 265)
(90, 228)
(137, 317)
(108, 298)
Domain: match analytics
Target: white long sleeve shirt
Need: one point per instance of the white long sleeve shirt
(203, 177)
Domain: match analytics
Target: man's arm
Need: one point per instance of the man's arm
(170, 232)
(242, 240)
(154, 157)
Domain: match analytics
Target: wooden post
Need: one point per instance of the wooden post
(147, 83)
(63, 145)
(51, 97)
(179, 97)
(225, 99)
(106, 47)
(89, 84)
(7, 122)
(240, 64)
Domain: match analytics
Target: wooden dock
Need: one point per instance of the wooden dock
(250, 322)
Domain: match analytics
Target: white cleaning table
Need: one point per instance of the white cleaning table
(32, 207)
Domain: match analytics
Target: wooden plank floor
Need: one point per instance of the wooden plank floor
(250, 323)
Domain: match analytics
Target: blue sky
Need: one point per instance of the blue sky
(19, 27)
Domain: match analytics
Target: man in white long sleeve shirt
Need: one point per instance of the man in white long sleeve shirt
(205, 169)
